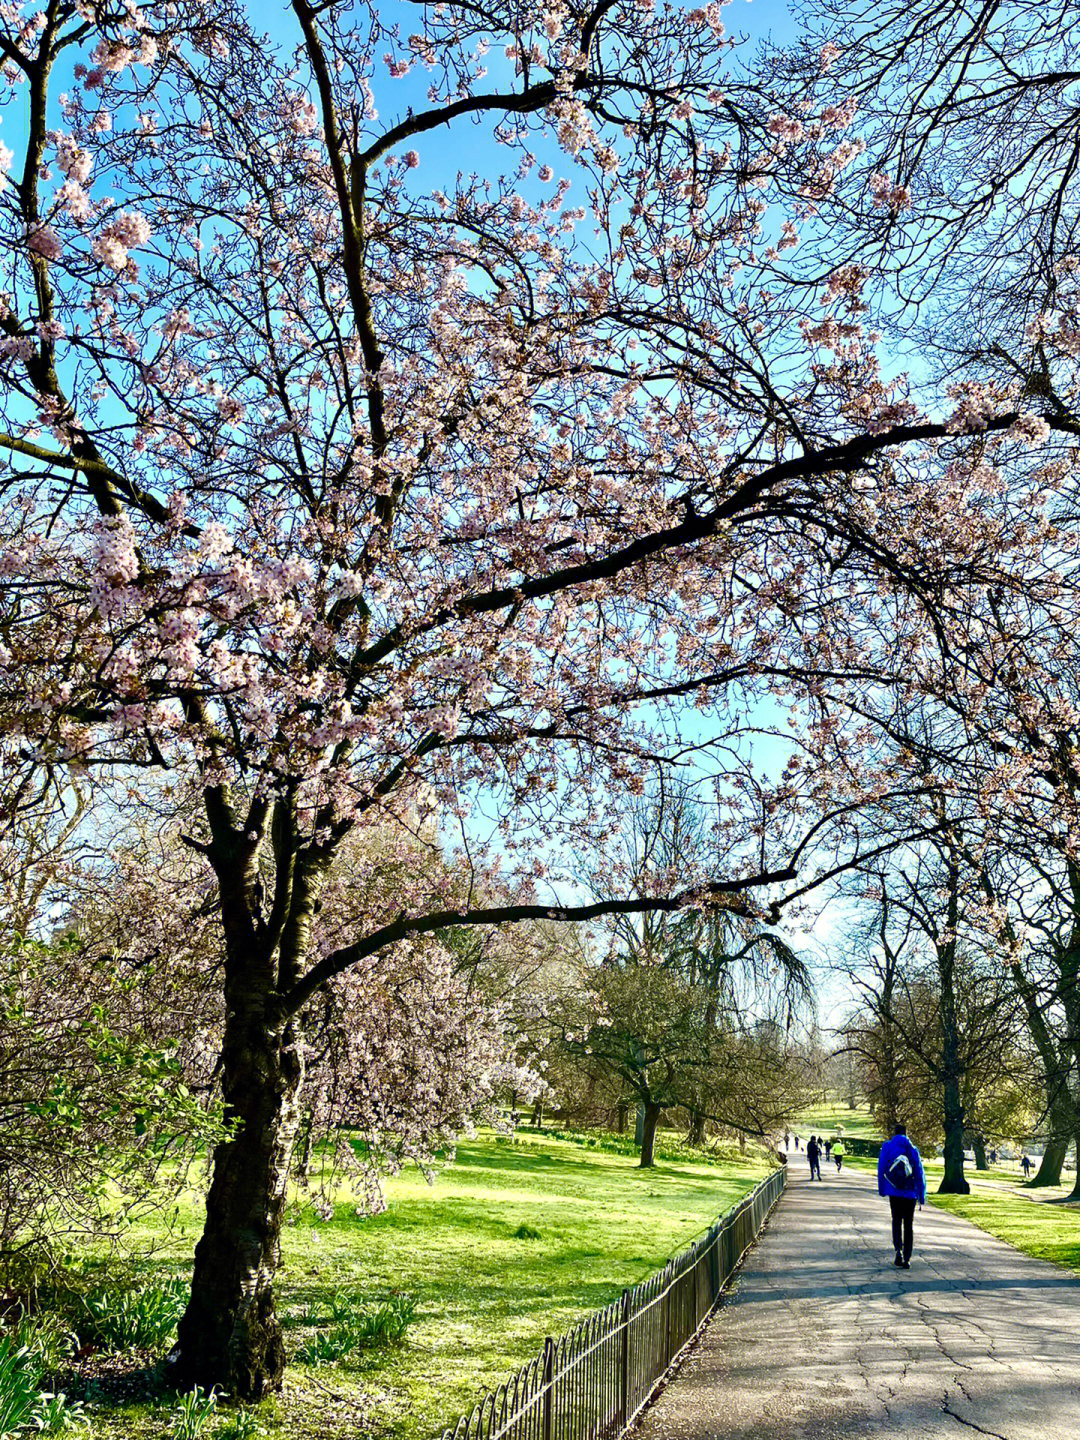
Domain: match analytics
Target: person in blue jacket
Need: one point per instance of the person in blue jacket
(900, 1176)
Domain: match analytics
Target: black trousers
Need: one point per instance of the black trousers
(903, 1212)
(815, 1169)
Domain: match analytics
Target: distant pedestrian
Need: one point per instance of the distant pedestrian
(787, 1139)
(993, 1157)
(1026, 1163)
(838, 1155)
(796, 1142)
(828, 1149)
(813, 1154)
(901, 1177)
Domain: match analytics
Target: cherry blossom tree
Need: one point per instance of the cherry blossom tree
(347, 486)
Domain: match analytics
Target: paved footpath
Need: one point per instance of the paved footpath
(824, 1339)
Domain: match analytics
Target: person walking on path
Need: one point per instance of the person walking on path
(900, 1176)
(1026, 1163)
(838, 1155)
(828, 1150)
(813, 1154)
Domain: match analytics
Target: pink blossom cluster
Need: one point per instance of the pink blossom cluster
(44, 240)
(301, 114)
(889, 194)
(126, 230)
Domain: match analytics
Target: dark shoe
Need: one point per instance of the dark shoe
(905, 1265)
(899, 1259)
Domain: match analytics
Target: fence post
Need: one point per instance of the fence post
(669, 1281)
(549, 1386)
(624, 1381)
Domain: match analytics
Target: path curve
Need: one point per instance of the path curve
(824, 1339)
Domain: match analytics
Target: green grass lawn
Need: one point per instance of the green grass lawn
(1047, 1231)
(830, 1119)
(486, 1298)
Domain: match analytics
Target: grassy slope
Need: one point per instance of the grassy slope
(487, 1299)
(828, 1119)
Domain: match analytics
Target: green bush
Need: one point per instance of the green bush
(241, 1425)
(48, 1339)
(526, 1232)
(57, 1414)
(326, 1345)
(386, 1324)
(20, 1397)
(193, 1413)
(354, 1323)
(119, 1319)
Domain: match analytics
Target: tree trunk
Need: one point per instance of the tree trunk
(953, 1182)
(978, 1144)
(620, 1117)
(1074, 1193)
(1049, 1171)
(650, 1118)
(696, 1135)
(1055, 1079)
(230, 1335)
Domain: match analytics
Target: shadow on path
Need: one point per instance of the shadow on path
(824, 1337)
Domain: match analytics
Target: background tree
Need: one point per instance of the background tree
(692, 1010)
(938, 1025)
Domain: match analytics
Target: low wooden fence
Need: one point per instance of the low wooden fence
(591, 1382)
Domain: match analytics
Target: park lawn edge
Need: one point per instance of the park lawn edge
(1042, 1229)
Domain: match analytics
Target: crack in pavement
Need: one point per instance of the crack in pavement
(971, 1425)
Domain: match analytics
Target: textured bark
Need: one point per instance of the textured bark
(953, 1182)
(1049, 1171)
(696, 1134)
(650, 1119)
(1074, 1193)
(303, 1157)
(978, 1144)
(230, 1335)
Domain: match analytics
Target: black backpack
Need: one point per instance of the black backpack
(900, 1172)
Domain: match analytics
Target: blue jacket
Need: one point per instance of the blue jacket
(916, 1184)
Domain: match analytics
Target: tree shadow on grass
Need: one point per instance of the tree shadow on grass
(514, 1159)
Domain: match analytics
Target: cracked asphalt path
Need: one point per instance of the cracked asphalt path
(824, 1339)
